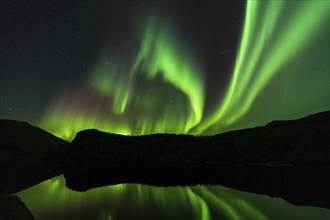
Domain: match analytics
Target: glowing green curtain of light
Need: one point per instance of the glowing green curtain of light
(159, 90)
(161, 54)
(272, 37)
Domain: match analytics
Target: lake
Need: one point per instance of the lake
(52, 200)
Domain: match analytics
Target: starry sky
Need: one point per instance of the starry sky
(152, 67)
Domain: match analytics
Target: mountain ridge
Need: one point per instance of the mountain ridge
(282, 158)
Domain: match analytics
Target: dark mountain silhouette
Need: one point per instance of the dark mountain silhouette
(296, 142)
(287, 159)
(28, 155)
(11, 207)
(284, 158)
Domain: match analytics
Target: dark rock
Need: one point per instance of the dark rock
(12, 208)
(22, 140)
(28, 156)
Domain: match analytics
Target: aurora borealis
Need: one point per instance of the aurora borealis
(156, 81)
(161, 87)
(263, 53)
(185, 68)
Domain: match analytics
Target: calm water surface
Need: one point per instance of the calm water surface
(52, 200)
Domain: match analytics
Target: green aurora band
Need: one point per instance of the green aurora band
(263, 52)
(160, 91)
(278, 39)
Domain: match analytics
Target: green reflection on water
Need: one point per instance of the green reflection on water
(52, 200)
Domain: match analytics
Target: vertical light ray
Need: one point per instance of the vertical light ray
(159, 54)
(226, 209)
(159, 90)
(200, 207)
(251, 211)
(262, 54)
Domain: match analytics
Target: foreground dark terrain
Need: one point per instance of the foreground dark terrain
(28, 156)
(287, 159)
(283, 159)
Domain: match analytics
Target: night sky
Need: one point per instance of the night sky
(154, 67)
(161, 67)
